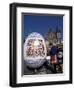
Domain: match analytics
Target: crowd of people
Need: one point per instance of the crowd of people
(56, 54)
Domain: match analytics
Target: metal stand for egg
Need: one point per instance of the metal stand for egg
(35, 71)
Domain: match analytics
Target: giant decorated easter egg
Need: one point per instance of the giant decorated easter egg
(34, 50)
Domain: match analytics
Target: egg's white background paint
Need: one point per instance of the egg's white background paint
(4, 44)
